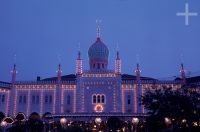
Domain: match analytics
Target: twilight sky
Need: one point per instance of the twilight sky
(38, 31)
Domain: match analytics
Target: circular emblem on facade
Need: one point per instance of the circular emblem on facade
(98, 108)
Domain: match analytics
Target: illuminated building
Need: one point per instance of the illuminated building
(96, 90)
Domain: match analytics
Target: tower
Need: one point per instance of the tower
(59, 72)
(118, 64)
(137, 71)
(14, 73)
(140, 108)
(79, 64)
(183, 76)
(98, 54)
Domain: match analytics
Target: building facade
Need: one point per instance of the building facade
(96, 90)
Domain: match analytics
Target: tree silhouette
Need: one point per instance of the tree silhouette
(177, 105)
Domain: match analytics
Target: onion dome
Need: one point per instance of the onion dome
(98, 50)
(98, 55)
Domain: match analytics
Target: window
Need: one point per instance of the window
(102, 98)
(33, 99)
(20, 99)
(94, 99)
(98, 66)
(24, 99)
(98, 99)
(50, 99)
(46, 99)
(103, 66)
(128, 99)
(3, 98)
(68, 99)
(37, 99)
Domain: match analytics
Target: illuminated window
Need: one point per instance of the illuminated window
(68, 99)
(128, 99)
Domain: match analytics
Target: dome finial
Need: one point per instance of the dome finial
(98, 28)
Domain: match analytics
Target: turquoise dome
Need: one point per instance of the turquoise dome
(98, 50)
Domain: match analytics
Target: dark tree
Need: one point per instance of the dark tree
(34, 123)
(2, 115)
(114, 123)
(180, 106)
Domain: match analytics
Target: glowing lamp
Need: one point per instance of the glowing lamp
(3, 123)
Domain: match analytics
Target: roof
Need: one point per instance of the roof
(70, 77)
(132, 77)
(193, 79)
(6, 85)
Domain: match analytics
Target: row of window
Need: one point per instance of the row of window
(98, 99)
(35, 99)
(2, 98)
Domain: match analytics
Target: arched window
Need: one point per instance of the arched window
(94, 99)
(129, 99)
(102, 99)
(68, 99)
(98, 99)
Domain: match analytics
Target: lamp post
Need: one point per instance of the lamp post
(63, 122)
(168, 122)
(3, 125)
(135, 122)
(98, 121)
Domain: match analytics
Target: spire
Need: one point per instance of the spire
(98, 28)
(118, 64)
(14, 73)
(79, 64)
(59, 72)
(137, 71)
(183, 76)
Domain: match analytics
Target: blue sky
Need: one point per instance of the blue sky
(37, 31)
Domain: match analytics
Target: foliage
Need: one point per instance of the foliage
(183, 103)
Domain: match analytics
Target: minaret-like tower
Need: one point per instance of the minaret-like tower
(183, 76)
(140, 108)
(137, 72)
(79, 64)
(118, 64)
(59, 73)
(14, 73)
